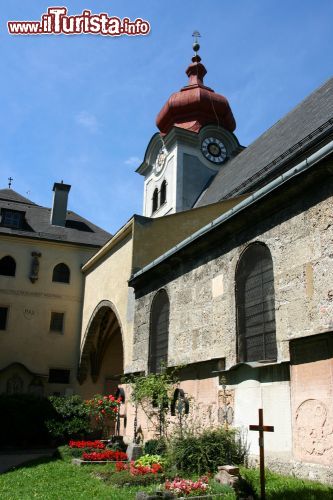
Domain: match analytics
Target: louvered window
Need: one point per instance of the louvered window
(155, 200)
(163, 195)
(256, 305)
(159, 332)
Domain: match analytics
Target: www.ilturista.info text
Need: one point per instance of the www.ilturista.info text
(57, 21)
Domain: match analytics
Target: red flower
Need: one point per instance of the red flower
(107, 455)
(87, 444)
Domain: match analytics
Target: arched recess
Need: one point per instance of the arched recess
(255, 303)
(7, 266)
(159, 332)
(102, 347)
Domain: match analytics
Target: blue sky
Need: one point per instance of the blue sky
(83, 108)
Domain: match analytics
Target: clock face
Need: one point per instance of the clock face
(214, 150)
(160, 160)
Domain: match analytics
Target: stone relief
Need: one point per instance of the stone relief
(226, 398)
(34, 266)
(313, 430)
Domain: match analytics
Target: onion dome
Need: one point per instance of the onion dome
(195, 105)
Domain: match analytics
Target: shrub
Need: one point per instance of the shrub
(205, 452)
(155, 447)
(116, 443)
(23, 420)
(71, 419)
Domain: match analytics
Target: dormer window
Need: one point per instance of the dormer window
(12, 218)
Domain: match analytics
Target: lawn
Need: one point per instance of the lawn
(51, 479)
(57, 478)
(286, 487)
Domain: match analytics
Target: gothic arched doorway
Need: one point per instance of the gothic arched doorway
(102, 353)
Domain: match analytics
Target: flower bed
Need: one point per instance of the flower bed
(97, 445)
(105, 456)
(137, 470)
(186, 487)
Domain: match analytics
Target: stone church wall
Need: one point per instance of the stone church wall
(203, 317)
(202, 291)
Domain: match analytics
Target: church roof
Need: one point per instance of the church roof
(195, 105)
(264, 158)
(36, 223)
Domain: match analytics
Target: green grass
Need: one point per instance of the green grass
(57, 478)
(286, 487)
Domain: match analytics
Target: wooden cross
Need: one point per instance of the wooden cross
(262, 428)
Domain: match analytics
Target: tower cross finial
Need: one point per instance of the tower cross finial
(10, 180)
(196, 45)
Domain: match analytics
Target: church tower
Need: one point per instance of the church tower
(195, 140)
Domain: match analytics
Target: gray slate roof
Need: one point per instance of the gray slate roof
(37, 223)
(307, 122)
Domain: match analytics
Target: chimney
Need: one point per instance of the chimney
(60, 199)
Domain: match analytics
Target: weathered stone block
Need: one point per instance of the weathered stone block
(134, 451)
(225, 476)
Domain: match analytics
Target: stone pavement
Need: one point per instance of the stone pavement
(12, 459)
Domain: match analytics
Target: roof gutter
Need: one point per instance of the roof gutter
(301, 167)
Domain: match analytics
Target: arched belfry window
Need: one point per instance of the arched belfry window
(7, 266)
(155, 200)
(159, 332)
(163, 194)
(61, 273)
(255, 303)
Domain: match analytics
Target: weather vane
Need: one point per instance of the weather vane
(196, 45)
(10, 180)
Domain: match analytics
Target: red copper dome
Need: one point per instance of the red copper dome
(195, 105)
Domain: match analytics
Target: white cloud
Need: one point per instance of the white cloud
(132, 160)
(88, 121)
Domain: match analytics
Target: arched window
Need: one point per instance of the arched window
(155, 200)
(7, 266)
(159, 332)
(163, 193)
(255, 303)
(61, 273)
